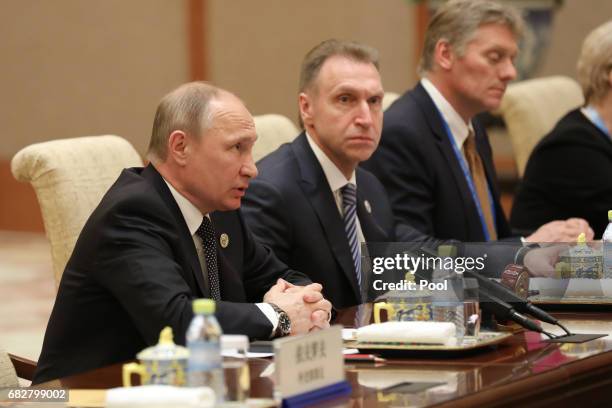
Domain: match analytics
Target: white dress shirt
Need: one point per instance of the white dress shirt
(193, 218)
(458, 128)
(336, 181)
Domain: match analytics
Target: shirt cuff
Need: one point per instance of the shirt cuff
(270, 313)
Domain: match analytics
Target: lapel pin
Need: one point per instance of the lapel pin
(224, 240)
(368, 207)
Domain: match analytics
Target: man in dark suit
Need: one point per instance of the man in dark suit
(297, 204)
(168, 233)
(434, 158)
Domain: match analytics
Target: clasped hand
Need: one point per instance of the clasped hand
(305, 305)
(561, 231)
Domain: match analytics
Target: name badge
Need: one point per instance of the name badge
(305, 363)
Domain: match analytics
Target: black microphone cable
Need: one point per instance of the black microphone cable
(505, 311)
(522, 305)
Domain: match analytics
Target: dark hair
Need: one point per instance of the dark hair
(316, 57)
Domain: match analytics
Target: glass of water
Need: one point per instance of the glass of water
(235, 369)
(471, 306)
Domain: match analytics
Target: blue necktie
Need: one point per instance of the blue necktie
(207, 233)
(349, 206)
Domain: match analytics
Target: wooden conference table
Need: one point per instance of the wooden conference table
(522, 371)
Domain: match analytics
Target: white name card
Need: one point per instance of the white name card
(305, 363)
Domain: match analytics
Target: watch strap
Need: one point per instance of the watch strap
(282, 315)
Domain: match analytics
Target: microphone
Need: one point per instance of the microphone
(504, 310)
(521, 305)
(489, 293)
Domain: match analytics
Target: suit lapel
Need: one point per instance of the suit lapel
(436, 124)
(229, 257)
(185, 238)
(316, 189)
(372, 232)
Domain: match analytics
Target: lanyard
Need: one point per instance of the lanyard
(592, 114)
(470, 182)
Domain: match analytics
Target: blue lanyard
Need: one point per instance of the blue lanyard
(592, 114)
(470, 182)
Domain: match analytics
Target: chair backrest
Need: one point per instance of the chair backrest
(272, 131)
(70, 176)
(531, 109)
(388, 99)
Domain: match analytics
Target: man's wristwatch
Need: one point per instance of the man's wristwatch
(284, 322)
(519, 257)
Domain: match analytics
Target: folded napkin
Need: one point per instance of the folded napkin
(408, 332)
(158, 396)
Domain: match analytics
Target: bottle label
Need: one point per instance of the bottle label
(204, 355)
(607, 254)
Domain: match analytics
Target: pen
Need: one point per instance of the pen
(363, 357)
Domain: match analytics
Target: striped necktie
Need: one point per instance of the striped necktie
(349, 207)
(207, 233)
(480, 182)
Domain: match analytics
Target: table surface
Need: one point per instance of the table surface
(522, 371)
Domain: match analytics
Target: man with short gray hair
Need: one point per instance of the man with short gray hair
(171, 232)
(434, 158)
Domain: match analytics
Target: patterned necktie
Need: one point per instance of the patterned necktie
(349, 206)
(480, 182)
(207, 233)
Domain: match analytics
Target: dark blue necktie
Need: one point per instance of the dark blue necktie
(349, 206)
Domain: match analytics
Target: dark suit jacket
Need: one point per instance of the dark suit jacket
(290, 207)
(416, 163)
(567, 175)
(135, 269)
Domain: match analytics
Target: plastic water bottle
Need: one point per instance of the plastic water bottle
(607, 248)
(204, 367)
(447, 303)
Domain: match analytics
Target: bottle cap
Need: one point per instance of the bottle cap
(610, 215)
(203, 306)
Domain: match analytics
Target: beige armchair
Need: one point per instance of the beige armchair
(15, 371)
(272, 131)
(8, 376)
(70, 176)
(531, 108)
(388, 99)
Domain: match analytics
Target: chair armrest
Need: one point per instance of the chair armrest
(23, 367)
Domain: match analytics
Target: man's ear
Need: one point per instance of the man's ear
(444, 55)
(178, 147)
(305, 109)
